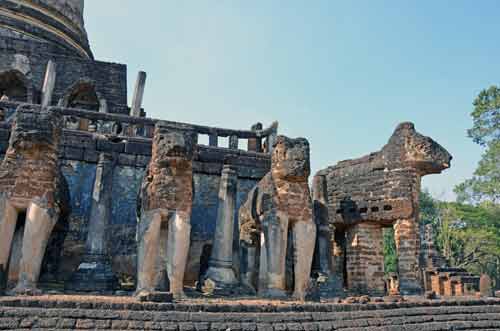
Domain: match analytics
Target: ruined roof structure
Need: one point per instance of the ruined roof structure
(74, 155)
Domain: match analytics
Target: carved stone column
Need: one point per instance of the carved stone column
(221, 261)
(94, 272)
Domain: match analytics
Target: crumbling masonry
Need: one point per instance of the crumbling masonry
(96, 196)
(356, 199)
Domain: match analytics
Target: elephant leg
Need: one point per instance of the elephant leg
(262, 277)
(161, 279)
(147, 255)
(8, 220)
(275, 241)
(248, 265)
(407, 245)
(179, 231)
(304, 234)
(40, 222)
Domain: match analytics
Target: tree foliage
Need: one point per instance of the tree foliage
(466, 235)
(486, 116)
(467, 232)
(485, 184)
(390, 255)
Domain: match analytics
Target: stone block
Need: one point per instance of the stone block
(73, 153)
(126, 159)
(90, 155)
(80, 140)
(105, 145)
(156, 297)
(140, 148)
(4, 134)
(142, 161)
(119, 325)
(66, 323)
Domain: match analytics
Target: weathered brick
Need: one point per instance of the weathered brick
(66, 323)
(119, 325)
(9, 322)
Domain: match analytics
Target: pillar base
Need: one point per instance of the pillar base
(273, 293)
(94, 274)
(222, 275)
(410, 287)
(327, 287)
(219, 280)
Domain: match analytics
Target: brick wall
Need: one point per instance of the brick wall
(20, 314)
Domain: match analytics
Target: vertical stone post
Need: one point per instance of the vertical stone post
(135, 109)
(406, 235)
(271, 138)
(365, 259)
(233, 142)
(320, 215)
(213, 139)
(485, 287)
(221, 260)
(48, 84)
(140, 84)
(255, 144)
(103, 106)
(94, 272)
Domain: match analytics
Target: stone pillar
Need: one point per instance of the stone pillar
(365, 259)
(320, 215)
(271, 138)
(485, 287)
(94, 272)
(221, 260)
(233, 142)
(213, 139)
(255, 144)
(406, 235)
(103, 106)
(140, 84)
(48, 84)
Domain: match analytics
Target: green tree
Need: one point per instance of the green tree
(467, 235)
(478, 198)
(486, 116)
(485, 184)
(390, 254)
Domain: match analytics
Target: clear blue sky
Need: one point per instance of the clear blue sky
(341, 73)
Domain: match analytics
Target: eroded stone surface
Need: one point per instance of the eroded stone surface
(276, 221)
(31, 185)
(164, 211)
(381, 188)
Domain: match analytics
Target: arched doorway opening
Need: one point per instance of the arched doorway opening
(83, 96)
(14, 87)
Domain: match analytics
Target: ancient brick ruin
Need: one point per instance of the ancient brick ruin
(164, 211)
(97, 197)
(356, 199)
(34, 194)
(276, 223)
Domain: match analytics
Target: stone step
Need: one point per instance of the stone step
(27, 314)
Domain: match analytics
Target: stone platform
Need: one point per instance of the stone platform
(62, 312)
